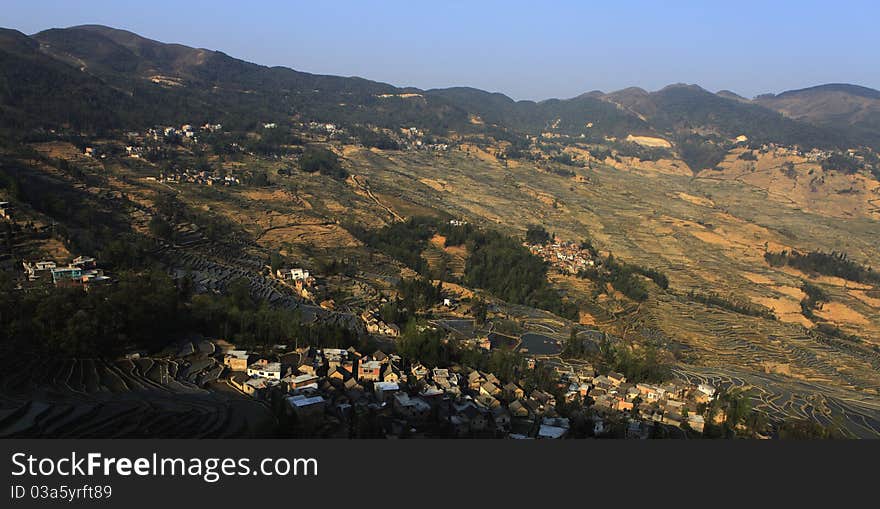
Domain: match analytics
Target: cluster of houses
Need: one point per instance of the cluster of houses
(673, 403)
(814, 155)
(198, 177)
(374, 324)
(330, 129)
(184, 132)
(321, 389)
(82, 271)
(565, 256)
(94, 152)
(305, 285)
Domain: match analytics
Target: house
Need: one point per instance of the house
(621, 405)
(475, 418)
(412, 409)
(706, 389)
(501, 418)
(238, 380)
(699, 397)
(475, 380)
(335, 357)
(236, 360)
(431, 391)
(339, 373)
(6, 210)
(634, 429)
(629, 392)
(352, 386)
(300, 381)
(444, 379)
(553, 428)
(543, 398)
(513, 391)
(488, 401)
(308, 410)
(672, 418)
(490, 389)
(391, 374)
(32, 269)
(297, 274)
(258, 387)
(518, 409)
(384, 390)
(370, 371)
(696, 422)
(616, 378)
(67, 275)
(419, 371)
(574, 392)
(674, 390)
(649, 393)
(265, 369)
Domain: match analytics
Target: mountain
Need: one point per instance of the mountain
(683, 109)
(147, 82)
(94, 77)
(37, 89)
(565, 116)
(839, 106)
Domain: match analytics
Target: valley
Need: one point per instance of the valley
(360, 215)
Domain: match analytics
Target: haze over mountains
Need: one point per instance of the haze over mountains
(94, 77)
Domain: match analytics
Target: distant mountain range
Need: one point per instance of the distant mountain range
(93, 77)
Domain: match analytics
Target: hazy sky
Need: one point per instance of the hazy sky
(528, 50)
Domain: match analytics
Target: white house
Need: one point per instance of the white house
(265, 369)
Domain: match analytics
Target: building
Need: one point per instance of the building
(384, 390)
(236, 360)
(33, 269)
(370, 371)
(308, 410)
(616, 378)
(84, 262)
(6, 210)
(300, 381)
(696, 422)
(412, 409)
(265, 369)
(67, 275)
(296, 274)
(553, 428)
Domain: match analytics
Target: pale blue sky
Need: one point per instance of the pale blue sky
(528, 50)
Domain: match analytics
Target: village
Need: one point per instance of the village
(333, 392)
(566, 256)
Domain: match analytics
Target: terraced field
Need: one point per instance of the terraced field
(780, 397)
(168, 397)
(708, 234)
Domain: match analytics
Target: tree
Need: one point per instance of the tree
(159, 227)
(317, 159)
(536, 234)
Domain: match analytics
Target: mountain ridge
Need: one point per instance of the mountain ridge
(165, 82)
